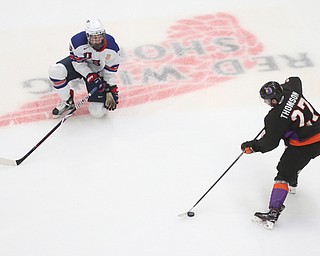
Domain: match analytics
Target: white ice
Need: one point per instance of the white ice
(115, 186)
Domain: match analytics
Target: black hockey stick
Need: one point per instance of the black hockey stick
(4, 161)
(190, 213)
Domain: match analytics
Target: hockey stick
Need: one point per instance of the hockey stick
(4, 161)
(190, 213)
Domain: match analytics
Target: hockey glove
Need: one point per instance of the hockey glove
(93, 78)
(246, 147)
(111, 97)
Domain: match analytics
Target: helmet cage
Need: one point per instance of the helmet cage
(93, 29)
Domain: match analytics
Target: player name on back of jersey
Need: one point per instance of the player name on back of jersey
(289, 105)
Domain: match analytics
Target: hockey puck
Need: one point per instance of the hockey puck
(190, 214)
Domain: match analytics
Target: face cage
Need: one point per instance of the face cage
(96, 41)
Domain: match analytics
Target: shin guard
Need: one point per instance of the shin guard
(278, 194)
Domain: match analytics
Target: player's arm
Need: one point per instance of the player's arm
(273, 132)
(111, 89)
(275, 128)
(81, 66)
(78, 61)
(109, 75)
(112, 61)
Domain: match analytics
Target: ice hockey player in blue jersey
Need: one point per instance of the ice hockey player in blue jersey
(94, 57)
(294, 120)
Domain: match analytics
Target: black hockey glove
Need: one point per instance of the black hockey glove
(247, 147)
(93, 78)
(111, 96)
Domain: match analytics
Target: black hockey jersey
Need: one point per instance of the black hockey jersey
(294, 120)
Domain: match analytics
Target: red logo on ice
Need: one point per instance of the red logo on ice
(198, 52)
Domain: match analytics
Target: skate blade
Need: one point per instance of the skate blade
(263, 223)
(67, 112)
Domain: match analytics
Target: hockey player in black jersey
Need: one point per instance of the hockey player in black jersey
(294, 120)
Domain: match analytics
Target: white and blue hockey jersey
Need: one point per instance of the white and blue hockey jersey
(87, 60)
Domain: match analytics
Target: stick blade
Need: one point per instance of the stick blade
(10, 162)
(182, 214)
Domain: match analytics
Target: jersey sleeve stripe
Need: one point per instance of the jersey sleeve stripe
(76, 58)
(113, 68)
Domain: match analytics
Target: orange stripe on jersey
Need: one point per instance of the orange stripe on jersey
(311, 140)
(281, 186)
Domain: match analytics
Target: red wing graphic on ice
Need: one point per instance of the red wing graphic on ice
(199, 52)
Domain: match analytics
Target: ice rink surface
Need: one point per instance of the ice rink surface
(188, 98)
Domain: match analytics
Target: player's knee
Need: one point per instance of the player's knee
(58, 71)
(97, 109)
(58, 74)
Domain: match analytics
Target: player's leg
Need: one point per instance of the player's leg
(61, 74)
(292, 161)
(96, 105)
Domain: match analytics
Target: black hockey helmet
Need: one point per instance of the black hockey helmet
(271, 90)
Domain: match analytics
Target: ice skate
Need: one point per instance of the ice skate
(293, 186)
(268, 219)
(64, 106)
(292, 190)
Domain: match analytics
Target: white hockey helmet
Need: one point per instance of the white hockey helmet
(94, 27)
